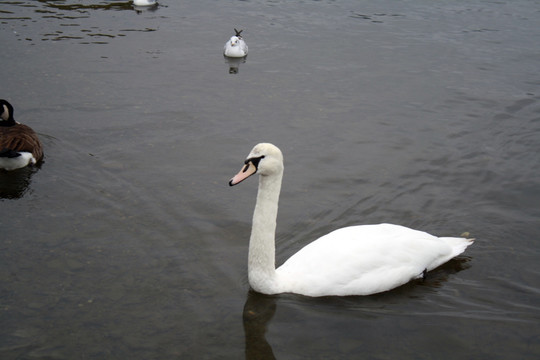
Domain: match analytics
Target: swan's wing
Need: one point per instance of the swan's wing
(362, 260)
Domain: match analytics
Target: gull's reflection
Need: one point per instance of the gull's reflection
(141, 9)
(14, 184)
(234, 63)
(258, 311)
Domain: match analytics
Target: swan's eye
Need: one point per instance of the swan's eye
(255, 161)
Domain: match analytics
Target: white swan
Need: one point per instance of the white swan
(236, 46)
(356, 260)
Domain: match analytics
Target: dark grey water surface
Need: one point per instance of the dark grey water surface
(128, 243)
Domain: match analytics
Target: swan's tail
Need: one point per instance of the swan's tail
(458, 245)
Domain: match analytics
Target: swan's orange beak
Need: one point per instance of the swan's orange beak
(248, 170)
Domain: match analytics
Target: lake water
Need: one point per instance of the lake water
(128, 243)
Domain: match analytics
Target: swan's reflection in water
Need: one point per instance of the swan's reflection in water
(234, 63)
(14, 184)
(258, 311)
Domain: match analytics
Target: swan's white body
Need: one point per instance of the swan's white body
(235, 47)
(356, 260)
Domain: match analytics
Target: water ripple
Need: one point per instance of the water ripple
(78, 22)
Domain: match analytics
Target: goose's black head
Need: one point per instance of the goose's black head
(6, 113)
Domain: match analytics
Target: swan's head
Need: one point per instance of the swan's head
(265, 159)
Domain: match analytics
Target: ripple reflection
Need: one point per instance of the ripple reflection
(83, 22)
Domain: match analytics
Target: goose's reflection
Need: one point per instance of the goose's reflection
(14, 184)
(234, 63)
(258, 311)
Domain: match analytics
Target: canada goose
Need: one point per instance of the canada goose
(19, 144)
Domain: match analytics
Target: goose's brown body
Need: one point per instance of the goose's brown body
(16, 138)
(20, 137)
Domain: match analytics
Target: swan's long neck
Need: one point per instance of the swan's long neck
(261, 259)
